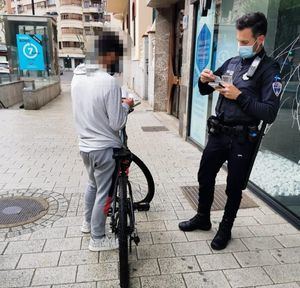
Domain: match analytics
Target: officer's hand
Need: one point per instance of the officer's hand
(128, 101)
(207, 76)
(230, 91)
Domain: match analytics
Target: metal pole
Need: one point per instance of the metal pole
(32, 7)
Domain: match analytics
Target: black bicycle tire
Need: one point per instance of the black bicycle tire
(123, 234)
(151, 187)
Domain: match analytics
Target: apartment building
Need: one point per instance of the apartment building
(77, 21)
(136, 19)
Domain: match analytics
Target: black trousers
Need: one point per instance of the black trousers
(221, 148)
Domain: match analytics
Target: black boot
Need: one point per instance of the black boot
(223, 235)
(199, 221)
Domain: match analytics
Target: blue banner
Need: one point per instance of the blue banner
(30, 52)
(203, 51)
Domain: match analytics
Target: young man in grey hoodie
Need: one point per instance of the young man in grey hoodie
(99, 114)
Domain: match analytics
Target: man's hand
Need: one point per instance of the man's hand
(229, 91)
(129, 101)
(207, 76)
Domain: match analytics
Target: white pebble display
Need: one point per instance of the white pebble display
(276, 175)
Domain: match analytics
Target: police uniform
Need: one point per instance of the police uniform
(258, 101)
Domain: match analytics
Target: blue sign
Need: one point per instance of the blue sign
(203, 48)
(30, 52)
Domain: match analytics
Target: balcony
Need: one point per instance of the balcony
(71, 9)
(93, 7)
(70, 3)
(71, 52)
(71, 23)
(160, 3)
(93, 23)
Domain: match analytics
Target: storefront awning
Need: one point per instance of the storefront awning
(113, 6)
(160, 3)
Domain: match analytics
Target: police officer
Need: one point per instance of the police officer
(253, 95)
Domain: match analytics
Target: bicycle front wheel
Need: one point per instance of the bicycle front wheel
(123, 233)
(141, 181)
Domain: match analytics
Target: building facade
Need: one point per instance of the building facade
(208, 39)
(77, 22)
(136, 18)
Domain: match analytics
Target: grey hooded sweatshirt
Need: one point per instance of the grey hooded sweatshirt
(98, 110)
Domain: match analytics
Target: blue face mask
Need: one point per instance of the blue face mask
(246, 51)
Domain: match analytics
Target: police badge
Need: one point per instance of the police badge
(277, 86)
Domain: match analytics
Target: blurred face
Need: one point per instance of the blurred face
(245, 37)
(108, 59)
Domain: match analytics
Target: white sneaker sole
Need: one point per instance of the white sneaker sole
(85, 230)
(99, 249)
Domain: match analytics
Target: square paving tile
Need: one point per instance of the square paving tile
(217, 262)
(54, 275)
(36, 260)
(284, 273)
(78, 257)
(146, 267)
(261, 243)
(8, 261)
(210, 279)
(178, 265)
(255, 258)
(247, 277)
(166, 281)
(97, 272)
(15, 278)
(287, 255)
(191, 248)
(155, 251)
(25, 247)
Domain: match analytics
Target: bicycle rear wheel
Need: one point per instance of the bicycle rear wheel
(141, 181)
(123, 233)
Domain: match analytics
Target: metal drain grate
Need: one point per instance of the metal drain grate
(191, 193)
(27, 210)
(154, 128)
(15, 211)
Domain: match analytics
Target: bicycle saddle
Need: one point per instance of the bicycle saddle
(121, 153)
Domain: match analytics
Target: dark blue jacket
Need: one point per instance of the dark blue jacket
(259, 99)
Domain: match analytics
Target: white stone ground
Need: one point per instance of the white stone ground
(39, 150)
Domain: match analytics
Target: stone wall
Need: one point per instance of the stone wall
(186, 66)
(162, 40)
(151, 68)
(35, 99)
(11, 93)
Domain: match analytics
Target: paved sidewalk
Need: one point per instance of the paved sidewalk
(39, 150)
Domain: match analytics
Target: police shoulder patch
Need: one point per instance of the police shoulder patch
(277, 85)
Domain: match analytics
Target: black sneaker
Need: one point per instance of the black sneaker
(201, 222)
(223, 236)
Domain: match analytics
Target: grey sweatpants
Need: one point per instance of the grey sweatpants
(100, 167)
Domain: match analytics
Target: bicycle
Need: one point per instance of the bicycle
(125, 198)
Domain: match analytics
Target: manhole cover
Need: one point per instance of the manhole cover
(27, 210)
(220, 198)
(154, 128)
(15, 211)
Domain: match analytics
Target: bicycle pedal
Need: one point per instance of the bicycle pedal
(136, 240)
(142, 207)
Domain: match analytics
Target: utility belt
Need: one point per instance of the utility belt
(242, 132)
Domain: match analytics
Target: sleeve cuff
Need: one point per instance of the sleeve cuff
(204, 88)
(126, 106)
(242, 99)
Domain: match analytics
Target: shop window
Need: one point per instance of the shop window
(277, 167)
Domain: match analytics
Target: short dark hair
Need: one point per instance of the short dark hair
(109, 41)
(256, 21)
